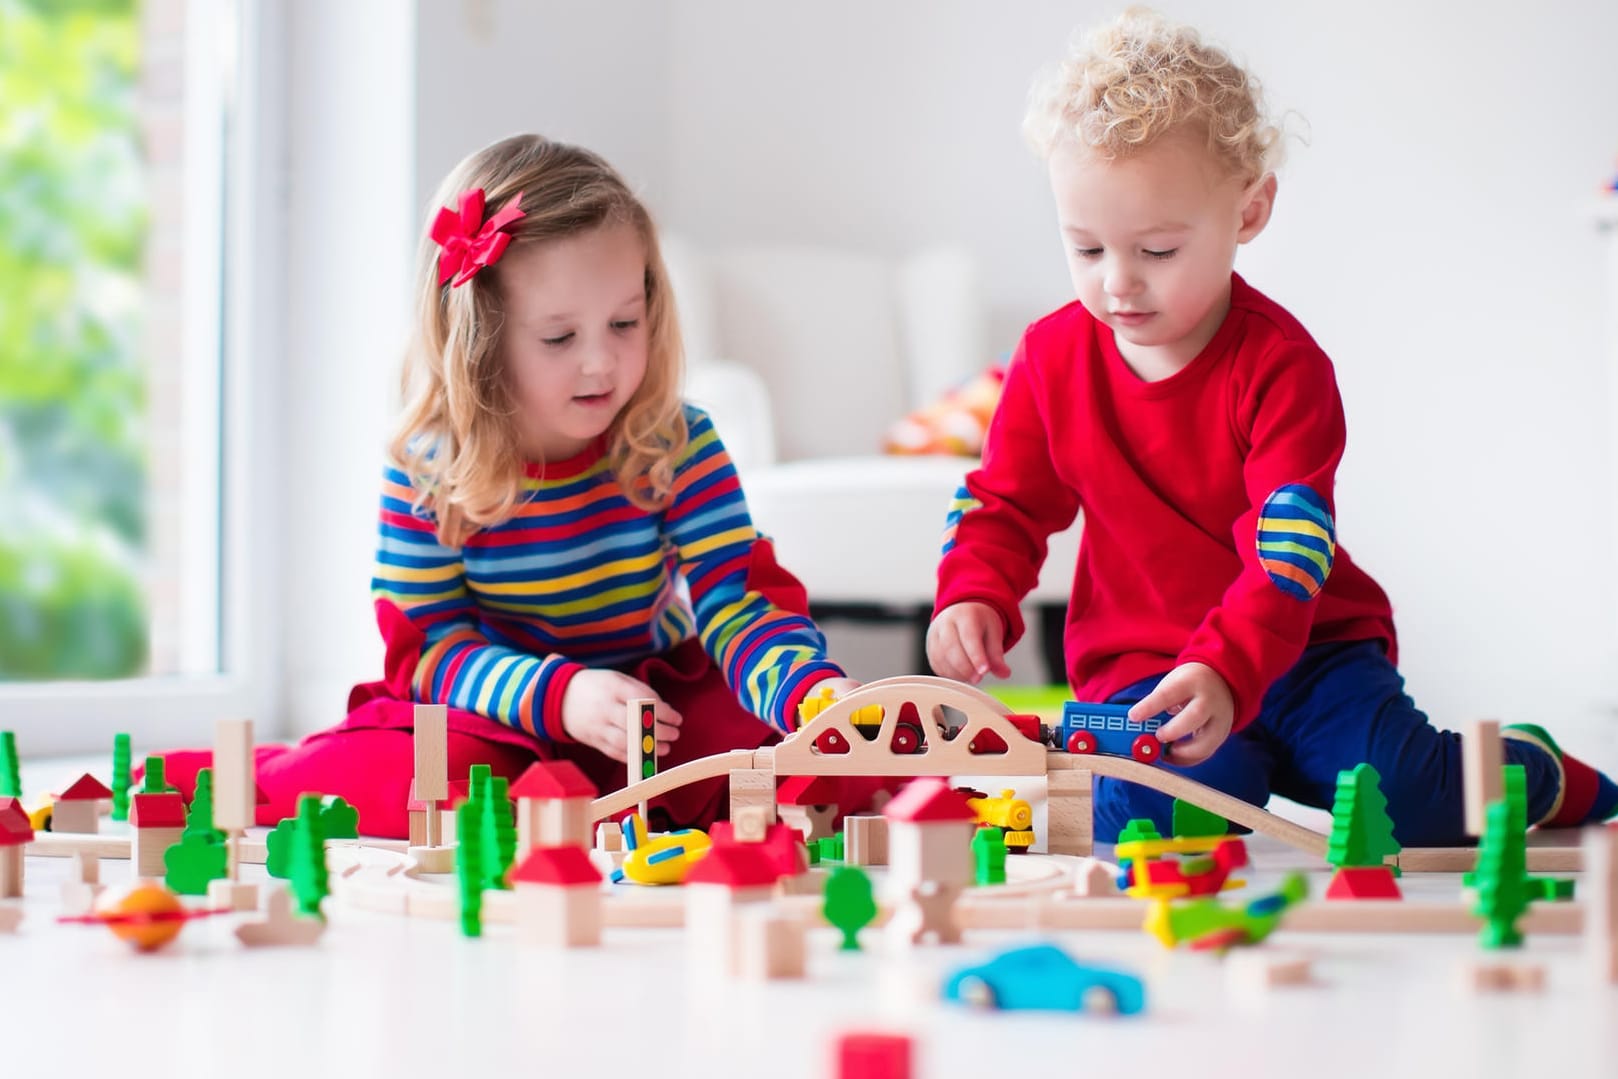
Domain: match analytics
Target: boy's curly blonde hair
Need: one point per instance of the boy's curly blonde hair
(457, 437)
(1135, 79)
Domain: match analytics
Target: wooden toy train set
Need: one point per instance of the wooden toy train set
(530, 851)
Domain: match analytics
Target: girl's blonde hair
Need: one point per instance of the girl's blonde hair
(1135, 79)
(457, 438)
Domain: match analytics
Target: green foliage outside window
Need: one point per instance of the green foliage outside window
(73, 225)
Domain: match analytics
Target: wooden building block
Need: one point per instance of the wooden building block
(1093, 878)
(769, 945)
(10, 917)
(11, 872)
(227, 894)
(281, 928)
(553, 916)
(752, 787)
(77, 817)
(430, 741)
(1069, 812)
(865, 840)
(150, 844)
(748, 825)
(1488, 977)
(1599, 890)
(813, 821)
(1257, 970)
(86, 867)
(1481, 760)
(234, 790)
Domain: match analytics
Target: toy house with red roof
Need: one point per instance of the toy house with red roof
(77, 809)
(15, 834)
(729, 879)
(558, 891)
(930, 859)
(553, 806)
(930, 835)
(783, 844)
(157, 821)
(809, 804)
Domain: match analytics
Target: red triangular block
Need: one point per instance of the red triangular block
(1363, 882)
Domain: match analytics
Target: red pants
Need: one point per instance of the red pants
(369, 758)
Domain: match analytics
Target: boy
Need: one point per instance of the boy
(1199, 427)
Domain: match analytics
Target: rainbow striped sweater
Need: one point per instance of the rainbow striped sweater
(581, 577)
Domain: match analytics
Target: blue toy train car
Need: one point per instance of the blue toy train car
(1107, 728)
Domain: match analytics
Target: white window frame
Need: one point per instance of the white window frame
(234, 261)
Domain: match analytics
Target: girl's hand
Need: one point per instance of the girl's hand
(595, 712)
(839, 687)
(1202, 707)
(967, 641)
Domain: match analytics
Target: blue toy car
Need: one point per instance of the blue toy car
(1045, 978)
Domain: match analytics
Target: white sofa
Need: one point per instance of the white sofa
(804, 357)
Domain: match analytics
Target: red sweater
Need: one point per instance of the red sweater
(1208, 504)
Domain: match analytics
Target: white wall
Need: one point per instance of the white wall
(594, 74)
(1433, 234)
(351, 153)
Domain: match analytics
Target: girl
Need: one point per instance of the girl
(560, 534)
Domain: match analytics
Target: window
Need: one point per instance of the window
(131, 136)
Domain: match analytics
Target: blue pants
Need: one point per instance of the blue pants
(1339, 705)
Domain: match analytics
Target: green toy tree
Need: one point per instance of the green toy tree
(1550, 889)
(477, 784)
(1135, 831)
(338, 819)
(120, 777)
(1192, 821)
(278, 849)
(1138, 829)
(469, 865)
(308, 857)
(989, 855)
(10, 767)
(1361, 830)
(154, 781)
(499, 824)
(850, 904)
(193, 862)
(1501, 878)
(199, 821)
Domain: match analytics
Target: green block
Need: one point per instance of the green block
(1191, 821)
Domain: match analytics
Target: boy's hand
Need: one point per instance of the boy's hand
(595, 712)
(1202, 707)
(967, 641)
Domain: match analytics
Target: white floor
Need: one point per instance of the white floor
(383, 995)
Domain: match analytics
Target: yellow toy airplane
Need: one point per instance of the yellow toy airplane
(659, 859)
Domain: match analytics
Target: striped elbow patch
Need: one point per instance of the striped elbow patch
(959, 506)
(1297, 540)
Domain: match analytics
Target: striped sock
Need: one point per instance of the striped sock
(1587, 796)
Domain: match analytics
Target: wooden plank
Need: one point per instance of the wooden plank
(1481, 760)
(720, 764)
(1176, 785)
(233, 787)
(1541, 859)
(431, 745)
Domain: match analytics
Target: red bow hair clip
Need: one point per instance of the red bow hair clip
(467, 248)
